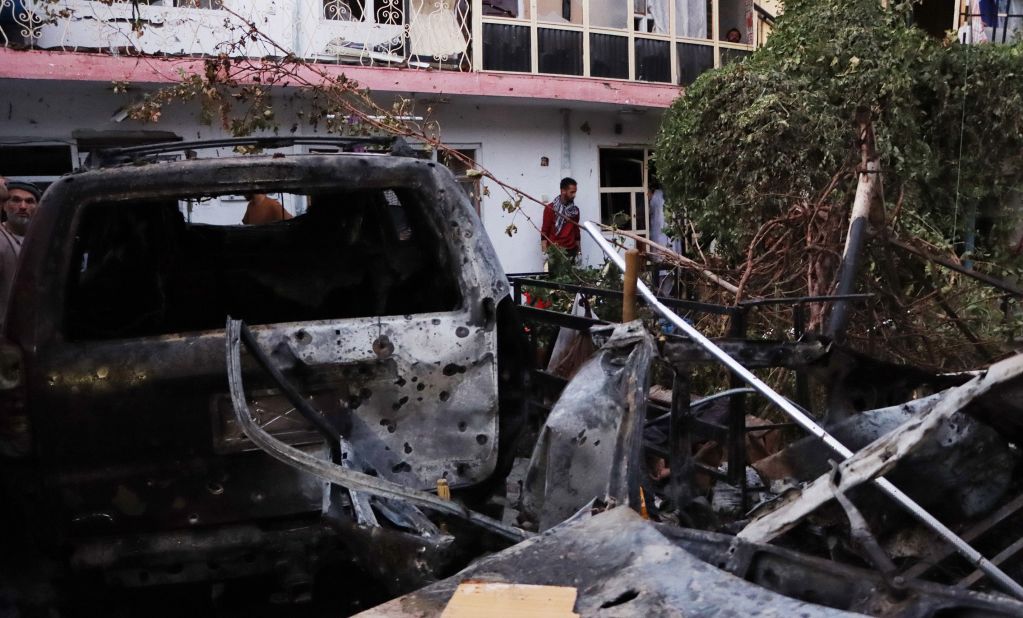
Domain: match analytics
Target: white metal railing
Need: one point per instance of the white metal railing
(668, 41)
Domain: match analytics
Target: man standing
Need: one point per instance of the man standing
(19, 207)
(561, 221)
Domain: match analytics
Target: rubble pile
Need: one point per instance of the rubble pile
(613, 526)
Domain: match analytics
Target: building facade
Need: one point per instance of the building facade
(533, 90)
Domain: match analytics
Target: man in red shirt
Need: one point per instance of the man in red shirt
(561, 221)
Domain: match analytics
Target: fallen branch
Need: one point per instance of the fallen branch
(675, 258)
(988, 279)
(868, 189)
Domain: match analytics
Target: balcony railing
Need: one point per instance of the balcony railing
(665, 41)
(997, 21)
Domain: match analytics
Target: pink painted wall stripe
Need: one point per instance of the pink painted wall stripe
(58, 65)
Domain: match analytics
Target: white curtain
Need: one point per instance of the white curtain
(658, 10)
(434, 30)
(691, 18)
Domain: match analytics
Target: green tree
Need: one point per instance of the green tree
(761, 156)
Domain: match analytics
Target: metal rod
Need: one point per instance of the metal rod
(331, 472)
(699, 403)
(1002, 556)
(680, 448)
(591, 291)
(807, 423)
(973, 532)
(737, 419)
(633, 261)
(802, 380)
(322, 425)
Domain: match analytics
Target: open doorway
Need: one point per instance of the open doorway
(935, 17)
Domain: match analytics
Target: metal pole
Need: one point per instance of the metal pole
(737, 417)
(632, 266)
(1004, 581)
(802, 383)
(680, 451)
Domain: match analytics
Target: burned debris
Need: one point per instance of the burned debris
(589, 447)
(239, 418)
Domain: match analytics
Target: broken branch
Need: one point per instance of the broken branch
(675, 258)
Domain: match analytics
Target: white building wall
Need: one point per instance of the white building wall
(513, 139)
(510, 141)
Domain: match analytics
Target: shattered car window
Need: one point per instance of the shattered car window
(141, 269)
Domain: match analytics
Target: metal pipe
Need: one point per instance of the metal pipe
(807, 423)
(632, 266)
(699, 403)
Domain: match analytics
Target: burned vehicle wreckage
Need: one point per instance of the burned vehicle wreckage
(188, 403)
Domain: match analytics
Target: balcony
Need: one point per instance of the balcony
(653, 41)
(994, 21)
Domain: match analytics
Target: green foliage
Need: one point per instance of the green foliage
(563, 269)
(750, 139)
(753, 147)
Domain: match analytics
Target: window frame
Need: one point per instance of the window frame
(643, 231)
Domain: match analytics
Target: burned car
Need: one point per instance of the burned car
(382, 308)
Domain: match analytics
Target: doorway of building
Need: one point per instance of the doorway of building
(624, 187)
(935, 17)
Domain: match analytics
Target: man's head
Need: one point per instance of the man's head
(3, 189)
(20, 205)
(568, 188)
(734, 36)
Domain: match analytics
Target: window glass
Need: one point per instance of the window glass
(692, 18)
(609, 56)
(616, 210)
(609, 14)
(506, 8)
(560, 51)
(621, 168)
(560, 11)
(28, 161)
(460, 168)
(650, 16)
(693, 60)
(736, 21)
(653, 60)
(623, 188)
(506, 48)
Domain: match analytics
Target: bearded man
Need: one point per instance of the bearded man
(19, 206)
